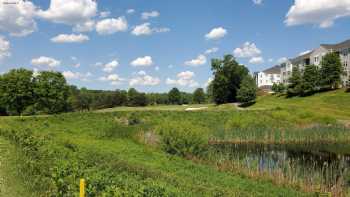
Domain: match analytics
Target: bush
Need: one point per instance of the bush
(183, 139)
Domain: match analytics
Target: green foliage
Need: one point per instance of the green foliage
(278, 88)
(228, 75)
(174, 96)
(17, 90)
(310, 80)
(136, 98)
(183, 138)
(331, 71)
(247, 90)
(295, 83)
(199, 96)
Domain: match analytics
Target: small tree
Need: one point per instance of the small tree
(331, 71)
(275, 88)
(295, 83)
(281, 88)
(310, 79)
(174, 96)
(199, 96)
(247, 90)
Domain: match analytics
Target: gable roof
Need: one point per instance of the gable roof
(273, 70)
(338, 46)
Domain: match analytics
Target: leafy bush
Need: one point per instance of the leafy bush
(133, 119)
(183, 139)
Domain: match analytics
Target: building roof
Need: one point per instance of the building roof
(301, 57)
(338, 46)
(273, 70)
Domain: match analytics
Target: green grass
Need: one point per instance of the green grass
(123, 151)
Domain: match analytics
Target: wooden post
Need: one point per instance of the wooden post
(82, 188)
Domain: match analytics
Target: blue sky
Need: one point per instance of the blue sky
(155, 45)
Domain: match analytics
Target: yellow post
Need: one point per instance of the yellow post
(82, 188)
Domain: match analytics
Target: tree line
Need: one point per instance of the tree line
(314, 79)
(24, 93)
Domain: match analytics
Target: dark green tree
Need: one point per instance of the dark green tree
(199, 96)
(174, 96)
(247, 90)
(17, 90)
(52, 92)
(228, 75)
(295, 83)
(136, 98)
(281, 88)
(310, 80)
(275, 88)
(331, 71)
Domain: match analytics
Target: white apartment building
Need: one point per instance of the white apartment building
(265, 79)
(315, 57)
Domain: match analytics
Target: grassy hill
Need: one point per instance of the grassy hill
(122, 152)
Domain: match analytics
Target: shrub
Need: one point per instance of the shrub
(133, 119)
(183, 139)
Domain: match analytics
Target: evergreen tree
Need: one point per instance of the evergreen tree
(199, 96)
(275, 88)
(247, 90)
(310, 80)
(331, 71)
(295, 83)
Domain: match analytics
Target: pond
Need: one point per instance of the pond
(312, 164)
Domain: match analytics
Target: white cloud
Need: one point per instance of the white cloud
(109, 67)
(256, 60)
(319, 12)
(45, 61)
(70, 38)
(216, 33)
(76, 75)
(282, 60)
(183, 79)
(212, 50)
(17, 19)
(77, 65)
(248, 50)
(70, 12)
(210, 79)
(84, 27)
(142, 79)
(257, 2)
(145, 29)
(4, 48)
(147, 15)
(114, 79)
(142, 61)
(111, 25)
(105, 14)
(130, 11)
(200, 60)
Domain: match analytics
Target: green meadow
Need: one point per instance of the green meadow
(166, 150)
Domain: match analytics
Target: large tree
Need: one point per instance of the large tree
(174, 96)
(331, 71)
(228, 75)
(52, 92)
(247, 90)
(136, 98)
(199, 96)
(16, 90)
(310, 79)
(295, 82)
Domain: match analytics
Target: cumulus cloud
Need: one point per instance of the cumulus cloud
(111, 25)
(45, 61)
(70, 38)
(142, 61)
(70, 12)
(105, 14)
(17, 19)
(248, 50)
(257, 2)
(216, 33)
(109, 67)
(4, 48)
(200, 60)
(145, 29)
(319, 12)
(256, 60)
(76, 75)
(142, 79)
(84, 27)
(147, 15)
(114, 79)
(212, 50)
(183, 79)
(130, 11)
